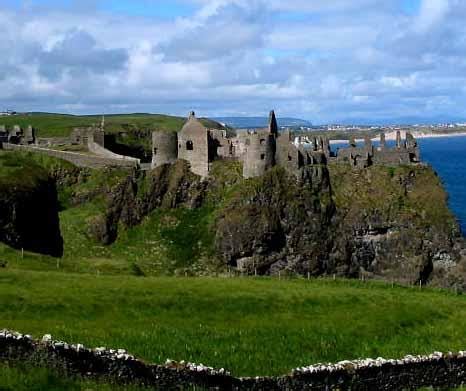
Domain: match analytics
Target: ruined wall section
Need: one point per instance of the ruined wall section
(288, 155)
(78, 159)
(164, 148)
(193, 146)
(260, 154)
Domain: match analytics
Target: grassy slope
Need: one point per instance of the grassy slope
(58, 125)
(167, 242)
(253, 327)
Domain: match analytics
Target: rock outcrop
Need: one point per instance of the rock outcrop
(29, 210)
(380, 222)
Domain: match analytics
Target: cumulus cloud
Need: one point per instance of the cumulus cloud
(322, 60)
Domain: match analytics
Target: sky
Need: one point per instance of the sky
(326, 61)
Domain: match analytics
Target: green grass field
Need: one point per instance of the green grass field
(60, 125)
(250, 326)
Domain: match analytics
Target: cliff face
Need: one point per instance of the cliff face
(391, 223)
(381, 222)
(275, 222)
(29, 208)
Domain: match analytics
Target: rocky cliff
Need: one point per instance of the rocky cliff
(381, 222)
(28, 207)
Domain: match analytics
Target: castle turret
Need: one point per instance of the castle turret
(164, 148)
(29, 135)
(260, 154)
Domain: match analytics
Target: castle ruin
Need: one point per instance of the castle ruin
(17, 135)
(261, 149)
(404, 152)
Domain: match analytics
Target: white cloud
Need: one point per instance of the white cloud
(323, 60)
(431, 14)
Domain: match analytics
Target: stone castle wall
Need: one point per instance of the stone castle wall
(164, 148)
(260, 154)
(412, 372)
(78, 159)
(97, 149)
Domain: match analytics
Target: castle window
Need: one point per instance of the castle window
(263, 156)
(290, 158)
(189, 145)
(262, 141)
(155, 151)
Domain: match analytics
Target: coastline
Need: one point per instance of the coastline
(418, 135)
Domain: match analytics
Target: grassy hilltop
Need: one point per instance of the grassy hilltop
(61, 125)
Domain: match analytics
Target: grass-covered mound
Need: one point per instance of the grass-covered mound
(250, 326)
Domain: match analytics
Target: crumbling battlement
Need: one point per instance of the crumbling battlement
(259, 150)
(410, 372)
(404, 152)
(17, 135)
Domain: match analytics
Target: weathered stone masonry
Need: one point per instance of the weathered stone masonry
(78, 159)
(261, 149)
(411, 372)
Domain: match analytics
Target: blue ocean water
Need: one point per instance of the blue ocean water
(447, 155)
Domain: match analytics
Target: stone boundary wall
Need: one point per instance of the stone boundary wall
(78, 159)
(101, 151)
(411, 372)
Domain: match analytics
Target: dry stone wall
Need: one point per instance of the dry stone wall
(78, 159)
(411, 372)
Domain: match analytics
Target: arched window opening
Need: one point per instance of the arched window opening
(262, 141)
(263, 156)
(189, 145)
(155, 151)
(290, 158)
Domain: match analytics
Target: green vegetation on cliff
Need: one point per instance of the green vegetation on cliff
(250, 326)
(389, 222)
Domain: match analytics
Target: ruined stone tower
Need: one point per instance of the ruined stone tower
(164, 148)
(193, 145)
(260, 154)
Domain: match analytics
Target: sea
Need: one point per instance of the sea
(447, 155)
